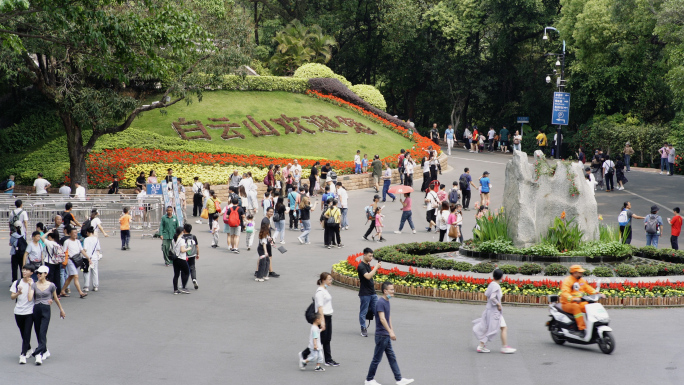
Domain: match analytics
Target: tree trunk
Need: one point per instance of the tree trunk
(77, 153)
(256, 22)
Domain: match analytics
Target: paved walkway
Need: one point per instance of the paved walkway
(235, 330)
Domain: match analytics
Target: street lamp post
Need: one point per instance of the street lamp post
(561, 87)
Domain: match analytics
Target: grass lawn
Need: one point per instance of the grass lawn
(236, 105)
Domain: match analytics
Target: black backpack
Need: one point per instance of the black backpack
(453, 196)
(84, 227)
(3, 185)
(463, 182)
(310, 313)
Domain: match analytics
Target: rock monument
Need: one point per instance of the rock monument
(535, 194)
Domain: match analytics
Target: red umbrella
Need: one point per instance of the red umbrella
(400, 189)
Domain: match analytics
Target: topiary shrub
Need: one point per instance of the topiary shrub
(647, 270)
(484, 267)
(263, 83)
(555, 269)
(317, 70)
(625, 270)
(542, 249)
(602, 271)
(370, 94)
(462, 266)
(530, 268)
(509, 269)
(496, 246)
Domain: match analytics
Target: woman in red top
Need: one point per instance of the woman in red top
(676, 224)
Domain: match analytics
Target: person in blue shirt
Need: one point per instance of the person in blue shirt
(10, 185)
(485, 187)
(449, 136)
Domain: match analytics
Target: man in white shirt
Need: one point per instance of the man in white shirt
(41, 185)
(64, 189)
(297, 170)
(19, 218)
(235, 179)
(80, 191)
(490, 136)
(142, 194)
(342, 193)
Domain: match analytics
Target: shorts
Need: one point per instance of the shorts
(231, 230)
(376, 179)
(503, 322)
(71, 268)
(504, 143)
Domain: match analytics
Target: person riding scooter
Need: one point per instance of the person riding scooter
(571, 296)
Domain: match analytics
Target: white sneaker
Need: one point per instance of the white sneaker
(507, 350)
(95, 289)
(39, 360)
(661, 173)
(414, 231)
(46, 355)
(282, 242)
(86, 289)
(302, 363)
(346, 228)
(300, 240)
(22, 359)
(397, 232)
(482, 349)
(198, 221)
(405, 381)
(371, 382)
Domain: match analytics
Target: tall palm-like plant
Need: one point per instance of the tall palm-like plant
(297, 44)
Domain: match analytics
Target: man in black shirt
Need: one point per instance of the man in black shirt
(367, 288)
(266, 224)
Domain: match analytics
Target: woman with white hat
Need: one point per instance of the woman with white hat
(43, 293)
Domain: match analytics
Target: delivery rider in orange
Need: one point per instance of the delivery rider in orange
(572, 290)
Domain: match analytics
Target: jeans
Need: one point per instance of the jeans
(125, 238)
(294, 214)
(663, 164)
(180, 267)
(166, 249)
(326, 337)
(652, 240)
(627, 239)
(280, 230)
(674, 242)
(385, 188)
(671, 166)
(306, 229)
(367, 303)
(92, 273)
(406, 216)
(609, 182)
(344, 217)
(516, 146)
(465, 198)
(491, 144)
(62, 276)
(191, 267)
(627, 161)
(401, 175)
(24, 323)
(383, 344)
(41, 321)
(357, 168)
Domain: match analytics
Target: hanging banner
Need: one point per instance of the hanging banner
(177, 201)
(165, 194)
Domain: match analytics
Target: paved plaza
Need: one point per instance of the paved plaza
(234, 330)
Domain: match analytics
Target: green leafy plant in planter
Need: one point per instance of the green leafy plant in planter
(509, 269)
(647, 270)
(462, 266)
(491, 227)
(601, 249)
(541, 249)
(625, 270)
(530, 268)
(609, 233)
(565, 234)
(483, 267)
(497, 246)
(415, 248)
(602, 271)
(555, 269)
(649, 252)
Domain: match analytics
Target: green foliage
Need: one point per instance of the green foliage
(625, 270)
(609, 233)
(483, 267)
(541, 249)
(419, 254)
(497, 246)
(564, 234)
(509, 269)
(530, 268)
(30, 131)
(603, 249)
(602, 271)
(647, 270)
(263, 83)
(258, 66)
(371, 95)
(491, 227)
(297, 44)
(555, 269)
(316, 70)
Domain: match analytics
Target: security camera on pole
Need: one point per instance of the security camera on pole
(561, 99)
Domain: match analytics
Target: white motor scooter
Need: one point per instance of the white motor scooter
(563, 327)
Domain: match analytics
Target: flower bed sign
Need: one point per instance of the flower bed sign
(264, 128)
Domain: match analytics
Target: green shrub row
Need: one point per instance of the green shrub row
(264, 83)
(589, 249)
(31, 130)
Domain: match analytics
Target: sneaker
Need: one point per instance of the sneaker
(177, 292)
(249, 248)
(397, 232)
(661, 173)
(39, 360)
(95, 289)
(346, 227)
(414, 231)
(236, 251)
(302, 363)
(184, 291)
(371, 382)
(266, 278)
(308, 243)
(300, 240)
(194, 282)
(259, 279)
(332, 363)
(365, 237)
(319, 369)
(86, 289)
(482, 349)
(340, 246)
(405, 381)
(507, 350)
(46, 355)
(364, 331)
(282, 242)
(428, 229)
(198, 221)
(328, 247)
(22, 359)
(273, 274)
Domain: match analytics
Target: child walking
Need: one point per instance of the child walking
(315, 346)
(125, 227)
(364, 163)
(378, 224)
(215, 230)
(249, 229)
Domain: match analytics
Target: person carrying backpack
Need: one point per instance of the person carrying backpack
(370, 215)
(453, 193)
(232, 216)
(625, 222)
(464, 183)
(192, 252)
(653, 224)
(333, 217)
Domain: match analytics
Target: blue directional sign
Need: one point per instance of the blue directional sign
(154, 189)
(561, 108)
(523, 119)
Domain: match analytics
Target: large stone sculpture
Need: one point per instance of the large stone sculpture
(535, 194)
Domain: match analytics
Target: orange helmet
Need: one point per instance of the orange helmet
(576, 269)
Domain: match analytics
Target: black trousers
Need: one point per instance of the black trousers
(408, 180)
(211, 220)
(332, 234)
(441, 235)
(312, 184)
(430, 216)
(293, 219)
(326, 337)
(54, 275)
(180, 267)
(16, 265)
(41, 321)
(433, 173)
(465, 198)
(674, 242)
(426, 182)
(191, 267)
(609, 182)
(370, 229)
(196, 204)
(24, 323)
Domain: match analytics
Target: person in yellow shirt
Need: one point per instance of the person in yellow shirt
(212, 206)
(332, 218)
(125, 227)
(572, 290)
